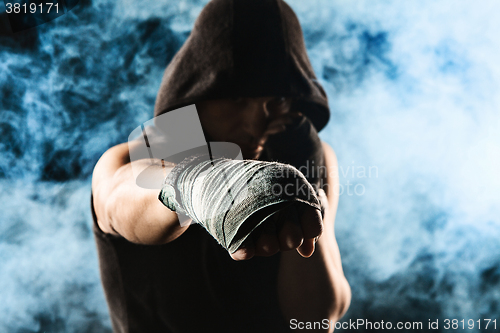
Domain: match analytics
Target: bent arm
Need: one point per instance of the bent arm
(315, 288)
(123, 208)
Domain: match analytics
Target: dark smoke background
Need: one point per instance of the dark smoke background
(414, 91)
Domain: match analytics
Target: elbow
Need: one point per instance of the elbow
(342, 300)
(332, 307)
(340, 295)
(339, 301)
(337, 304)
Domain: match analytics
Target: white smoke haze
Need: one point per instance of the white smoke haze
(414, 89)
(426, 114)
(48, 264)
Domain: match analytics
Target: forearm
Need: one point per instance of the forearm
(136, 213)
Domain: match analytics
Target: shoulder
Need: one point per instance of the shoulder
(103, 173)
(114, 158)
(110, 161)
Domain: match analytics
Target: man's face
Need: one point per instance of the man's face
(248, 122)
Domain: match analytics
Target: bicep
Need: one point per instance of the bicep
(102, 181)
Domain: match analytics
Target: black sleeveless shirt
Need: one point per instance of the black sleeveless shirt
(192, 284)
(188, 285)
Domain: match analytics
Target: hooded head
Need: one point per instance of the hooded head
(244, 48)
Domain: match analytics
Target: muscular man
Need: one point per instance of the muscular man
(246, 68)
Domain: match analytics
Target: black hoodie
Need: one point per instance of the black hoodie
(238, 48)
(244, 48)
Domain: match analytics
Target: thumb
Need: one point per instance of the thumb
(307, 248)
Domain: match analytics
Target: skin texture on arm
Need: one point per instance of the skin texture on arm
(315, 288)
(123, 208)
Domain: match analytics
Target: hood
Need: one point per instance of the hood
(244, 48)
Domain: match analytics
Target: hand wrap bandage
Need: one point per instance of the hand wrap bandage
(230, 198)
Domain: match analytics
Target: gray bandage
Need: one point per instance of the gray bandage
(231, 198)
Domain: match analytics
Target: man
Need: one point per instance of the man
(246, 69)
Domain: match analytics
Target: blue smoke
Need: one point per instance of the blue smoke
(414, 96)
